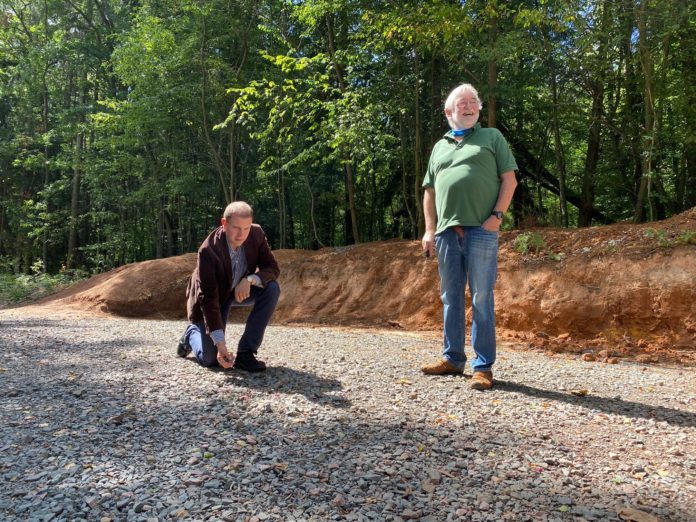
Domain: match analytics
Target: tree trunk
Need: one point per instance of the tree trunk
(436, 107)
(492, 71)
(44, 125)
(530, 164)
(77, 177)
(46, 170)
(558, 150)
(592, 156)
(160, 230)
(596, 84)
(686, 181)
(281, 204)
(413, 228)
(217, 159)
(630, 123)
(418, 152)
(232, 189)
(347, 159)
(648, 130)
(74, 201)
(315, 234)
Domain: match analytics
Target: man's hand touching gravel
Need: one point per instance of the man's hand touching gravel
(225, 358)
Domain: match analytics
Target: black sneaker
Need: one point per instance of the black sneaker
(183, 349)
(248, 361)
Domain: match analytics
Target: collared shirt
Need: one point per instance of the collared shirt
(239, 264)
(466, 176)
(239, 268)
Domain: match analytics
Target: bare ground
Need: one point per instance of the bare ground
(619, 290)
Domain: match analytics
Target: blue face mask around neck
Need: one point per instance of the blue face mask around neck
(459, 133)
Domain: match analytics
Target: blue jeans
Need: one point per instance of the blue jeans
(264, 301)
(472, 258)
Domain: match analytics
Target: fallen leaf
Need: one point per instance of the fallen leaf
(579, 393)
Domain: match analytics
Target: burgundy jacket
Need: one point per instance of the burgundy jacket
(211, 281)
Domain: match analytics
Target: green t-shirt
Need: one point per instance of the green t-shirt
(466, 176)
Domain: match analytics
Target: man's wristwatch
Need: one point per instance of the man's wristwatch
(498, 214)
(251, 280)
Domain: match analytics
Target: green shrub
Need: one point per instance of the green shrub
(527, 241)
(17, 289)
(686, 237)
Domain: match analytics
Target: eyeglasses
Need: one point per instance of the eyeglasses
(473, 102)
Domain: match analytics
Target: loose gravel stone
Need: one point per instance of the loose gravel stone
(101, 421)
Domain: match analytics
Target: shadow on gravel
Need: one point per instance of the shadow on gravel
(672, 416)
(289, 381)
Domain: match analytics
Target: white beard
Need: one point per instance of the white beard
(458, 122)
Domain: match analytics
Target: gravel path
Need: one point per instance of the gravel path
(101, 421)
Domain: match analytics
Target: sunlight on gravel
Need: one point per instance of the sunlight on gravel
(102, 421)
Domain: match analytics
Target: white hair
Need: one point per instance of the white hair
(457, 92)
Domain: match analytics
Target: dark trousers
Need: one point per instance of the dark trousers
(264, 301)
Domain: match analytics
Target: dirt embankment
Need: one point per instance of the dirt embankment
(628, 289)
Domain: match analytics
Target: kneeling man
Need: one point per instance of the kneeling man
(235, 267)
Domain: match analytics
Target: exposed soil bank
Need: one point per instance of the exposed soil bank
(628, 289)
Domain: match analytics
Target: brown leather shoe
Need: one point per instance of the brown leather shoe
(442, 367)
(482, 381)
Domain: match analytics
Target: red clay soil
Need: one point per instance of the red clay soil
(619, 290)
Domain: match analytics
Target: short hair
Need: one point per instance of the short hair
(459, 90)
(240, 209)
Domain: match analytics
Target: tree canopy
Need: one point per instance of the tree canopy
(126, 127)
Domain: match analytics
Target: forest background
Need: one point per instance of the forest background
(126, 126)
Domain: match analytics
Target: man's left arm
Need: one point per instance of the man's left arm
(508, 183)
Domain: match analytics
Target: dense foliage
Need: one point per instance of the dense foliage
(125, 127)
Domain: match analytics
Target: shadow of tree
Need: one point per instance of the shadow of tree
(615, 406)
(96, 417)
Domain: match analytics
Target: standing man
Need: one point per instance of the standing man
(468, 187)
(226, 275)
